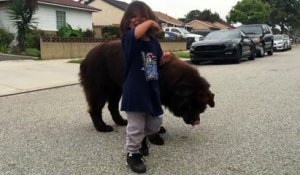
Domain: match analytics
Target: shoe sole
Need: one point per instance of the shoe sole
(135, 171)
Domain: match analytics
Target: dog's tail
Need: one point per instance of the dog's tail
(82, 71)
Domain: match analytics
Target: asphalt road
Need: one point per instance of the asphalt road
(254, 128)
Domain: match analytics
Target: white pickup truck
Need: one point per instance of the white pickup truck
(184, 34)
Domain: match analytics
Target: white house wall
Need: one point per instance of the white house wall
(46, 18)
(5, 21)
(76, 18)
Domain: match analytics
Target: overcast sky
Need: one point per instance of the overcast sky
(179, 8)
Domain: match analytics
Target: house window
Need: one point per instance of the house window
(60, 19)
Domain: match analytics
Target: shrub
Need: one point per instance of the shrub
(33, 52)
(111, 32)
(5, 39)
(88, 33)
(3, 48)
(160, 35)
(67, 31)
(32, 38)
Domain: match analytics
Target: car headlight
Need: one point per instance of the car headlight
(198, 38)
(256, 40)
(231, 45)
(192, 47)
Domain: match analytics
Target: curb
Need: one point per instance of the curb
(17, 57)
(40, 89)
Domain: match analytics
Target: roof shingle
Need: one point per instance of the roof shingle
(168, 19)
(119, 4)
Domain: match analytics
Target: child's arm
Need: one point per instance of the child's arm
(141, 29)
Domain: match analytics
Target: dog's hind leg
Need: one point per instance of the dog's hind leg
(96, 104)
(113, 107)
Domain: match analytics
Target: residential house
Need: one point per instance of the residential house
(113, 11)
(53, 14)
(111, 14)
(198, 25)
(222, 25)
(168, 21)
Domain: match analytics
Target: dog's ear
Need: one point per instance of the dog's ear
(182, 91)
(211, 101)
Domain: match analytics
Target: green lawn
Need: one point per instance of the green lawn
(75, 61)
(183, 54)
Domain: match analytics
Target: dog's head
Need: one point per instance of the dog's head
(185, 92)
(192, 105)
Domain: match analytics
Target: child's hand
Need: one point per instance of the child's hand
(155, 27)
(136, 21)
(166, 57)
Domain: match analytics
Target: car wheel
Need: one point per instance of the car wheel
(238, 56)
(270, 52)
(261, 52)
(284, 48)
(253, 53)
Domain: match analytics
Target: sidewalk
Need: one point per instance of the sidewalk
(19, 76)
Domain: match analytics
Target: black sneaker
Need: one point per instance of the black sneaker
(156, 139)
(144, 150)
(136, 162)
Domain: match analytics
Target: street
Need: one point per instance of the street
(254, 128)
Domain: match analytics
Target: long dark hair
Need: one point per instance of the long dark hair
(136, 8)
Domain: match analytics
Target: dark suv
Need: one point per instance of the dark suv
(262, 36)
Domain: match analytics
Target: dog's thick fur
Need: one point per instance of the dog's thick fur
(182, 89)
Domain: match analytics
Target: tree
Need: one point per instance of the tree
(205, 15)
(21, 13)
(249, 12)
(286, 14)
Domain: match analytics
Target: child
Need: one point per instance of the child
(141, 97)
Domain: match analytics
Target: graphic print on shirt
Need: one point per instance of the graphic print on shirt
(150, 66)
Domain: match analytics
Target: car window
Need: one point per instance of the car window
(184, 31)
(175, 30)
(270, 29)
(217, 35)
(278, 37)
(243, 34)
(251, 29)
(266, 29)
(167, 29)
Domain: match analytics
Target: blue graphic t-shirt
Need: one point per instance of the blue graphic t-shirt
(140, 87)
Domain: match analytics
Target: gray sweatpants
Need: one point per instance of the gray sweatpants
(140, 125)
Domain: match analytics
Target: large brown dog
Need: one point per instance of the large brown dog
(183, 90)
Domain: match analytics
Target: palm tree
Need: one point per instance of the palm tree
(21, 13)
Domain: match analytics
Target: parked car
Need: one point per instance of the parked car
(262, 36)
(201, 32)
(171, 36)
(190, 40)
(230, 45)
(280, 42)
(184, 34)
(289, 42)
